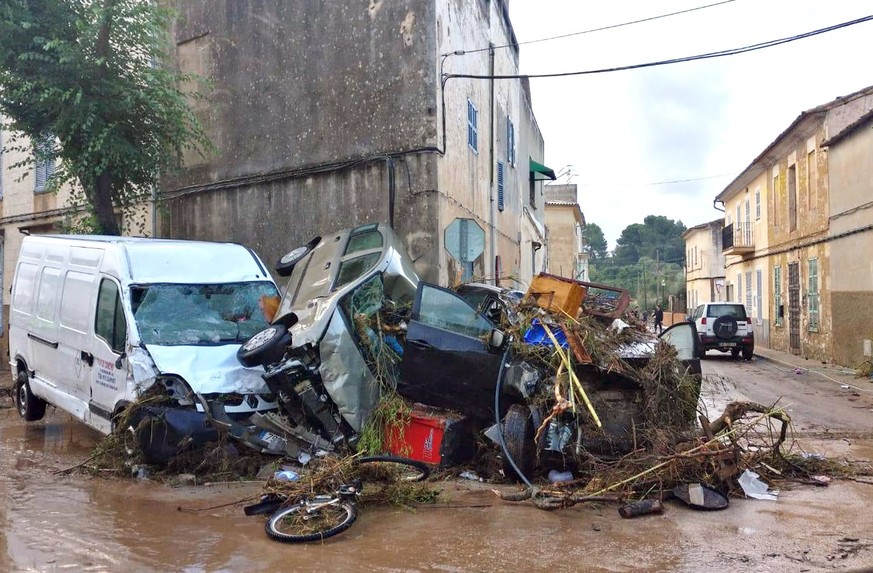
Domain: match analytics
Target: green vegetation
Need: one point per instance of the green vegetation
(648, 261)
(95, 77)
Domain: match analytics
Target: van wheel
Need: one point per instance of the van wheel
(30, 407)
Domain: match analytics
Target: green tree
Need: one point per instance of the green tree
(96, 77)
(657, 238)
(595, 242)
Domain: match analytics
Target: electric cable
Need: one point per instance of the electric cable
(706, 56)
(600, 29)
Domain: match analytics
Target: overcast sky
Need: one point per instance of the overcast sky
(624, 131)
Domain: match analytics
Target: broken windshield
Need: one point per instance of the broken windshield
(173, 314)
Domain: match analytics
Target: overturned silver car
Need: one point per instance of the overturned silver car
(354, 317)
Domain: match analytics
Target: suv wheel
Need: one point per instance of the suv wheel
(748, 351)
(735, 352)
(725, 327)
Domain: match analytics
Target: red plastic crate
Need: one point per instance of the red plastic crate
(421, 438)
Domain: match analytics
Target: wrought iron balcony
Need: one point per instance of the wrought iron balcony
(738, 239)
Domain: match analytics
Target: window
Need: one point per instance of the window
(792, 198)
(812, 295)
(749, 292)
(43, 168)
(500, 185)
(1, 164)
(812, 181)
(510, 142)
(443, 309)
(775, 195)
(760, 284)
(109, 323)
(758, 204)
(472, 126)
(777, 295)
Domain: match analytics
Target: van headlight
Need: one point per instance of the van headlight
(176, 389)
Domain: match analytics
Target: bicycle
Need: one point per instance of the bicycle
(318, 517)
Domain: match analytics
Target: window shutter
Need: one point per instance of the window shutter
(500, 185)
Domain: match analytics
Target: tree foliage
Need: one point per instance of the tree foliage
(648, 261)
(96, 77)
(656, 238)
(595, 242)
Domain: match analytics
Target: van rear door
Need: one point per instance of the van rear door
(108, 383)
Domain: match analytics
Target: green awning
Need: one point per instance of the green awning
(540, 169)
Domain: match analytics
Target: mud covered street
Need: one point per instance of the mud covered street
(78, 523)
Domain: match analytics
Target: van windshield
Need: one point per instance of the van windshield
(197, 314)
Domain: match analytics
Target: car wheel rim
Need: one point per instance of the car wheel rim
(22, 399)
(259, 339)
(296, 253)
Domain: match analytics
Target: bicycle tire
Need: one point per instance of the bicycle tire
(338, 517)
(417, 471)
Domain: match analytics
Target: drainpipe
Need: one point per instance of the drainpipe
(392, 190)
(492, 203)
(154, 211)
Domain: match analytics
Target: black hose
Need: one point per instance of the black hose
(497, 391)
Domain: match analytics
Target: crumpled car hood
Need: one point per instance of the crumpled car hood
(209, 369)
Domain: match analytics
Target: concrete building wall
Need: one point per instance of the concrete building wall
(799, 218)
(704, 264)
(851, 233)
(565, 240)
(310, 100)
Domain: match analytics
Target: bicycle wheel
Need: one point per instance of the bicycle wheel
(393, 468)
(299, 523)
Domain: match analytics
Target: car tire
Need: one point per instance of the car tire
(748, 352)
(285, 265)
(518, 434)
(735, 353)
(30, 407)
(725, 327)
(264, 348)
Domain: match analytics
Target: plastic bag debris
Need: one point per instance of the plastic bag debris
(753, 487)
(286, 475)
(812, 456)
(560, 477)
(470, 476)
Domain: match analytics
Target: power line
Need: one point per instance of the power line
(654, 183)
(709, 55)
(602, 28)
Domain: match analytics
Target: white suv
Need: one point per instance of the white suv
(724, 326)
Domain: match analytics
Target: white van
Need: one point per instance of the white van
(95, 321)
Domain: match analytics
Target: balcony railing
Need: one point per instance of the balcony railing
(737, 238)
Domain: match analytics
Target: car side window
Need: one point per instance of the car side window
(446, 310)
(109, 323)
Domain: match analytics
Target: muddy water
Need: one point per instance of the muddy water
(55, 523)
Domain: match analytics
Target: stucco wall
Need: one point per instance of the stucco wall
(563, 242)
(308, 82)
(851, 186)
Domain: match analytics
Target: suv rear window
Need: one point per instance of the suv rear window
(734, 310)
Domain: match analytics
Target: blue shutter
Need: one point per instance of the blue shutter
(500, 185)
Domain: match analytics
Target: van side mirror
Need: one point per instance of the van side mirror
(119, 362)
(497, 338)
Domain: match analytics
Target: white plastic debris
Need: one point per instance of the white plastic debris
(755, 488)
(844, 386)
(619, 325)
(303, 458)
(470, 476)
(560, 477)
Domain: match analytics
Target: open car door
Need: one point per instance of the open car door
(683, 337)
(452, 355)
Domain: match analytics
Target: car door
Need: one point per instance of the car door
(108, 381)
(448, 361)
(683, 337)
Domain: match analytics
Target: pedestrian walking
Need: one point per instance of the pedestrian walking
(659, 319)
